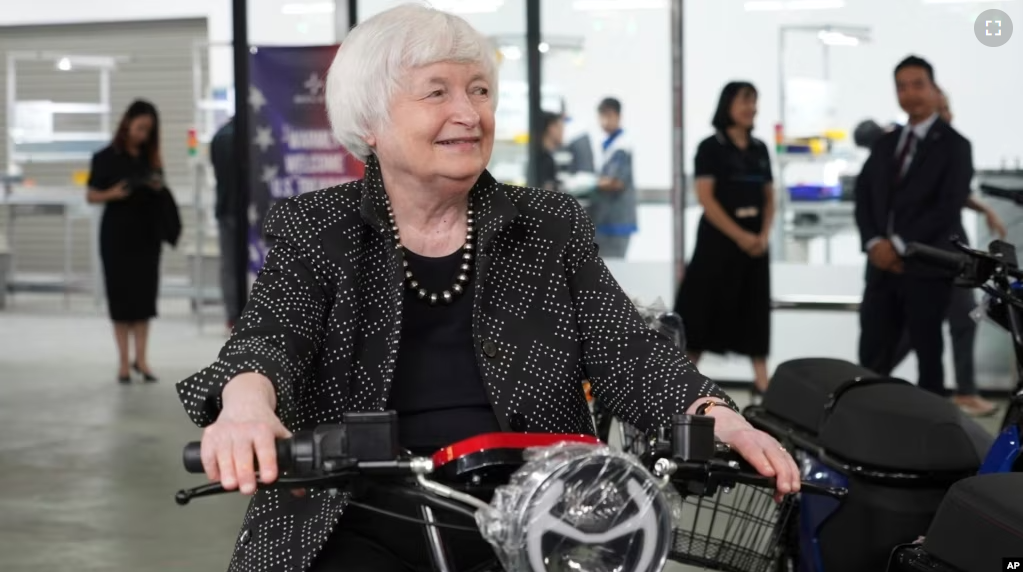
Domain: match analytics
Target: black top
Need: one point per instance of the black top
(438, 391)
(740, 176)
(110, 166)
(548, 170)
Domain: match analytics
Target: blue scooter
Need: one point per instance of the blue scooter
(978, 524)
(897, 448)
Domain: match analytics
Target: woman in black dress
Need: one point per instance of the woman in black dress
(126, 178)
(724, 299)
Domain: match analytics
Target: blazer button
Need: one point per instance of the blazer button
(246, 535)
(490, 349)
(517, 422)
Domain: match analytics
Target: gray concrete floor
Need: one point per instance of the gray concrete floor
(89, 468)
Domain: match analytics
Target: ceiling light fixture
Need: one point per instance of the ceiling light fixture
(792, 5)
(468, 6)
(830, 38)
(609, 5)
(963, 1)
(304, 8)
(511, 52)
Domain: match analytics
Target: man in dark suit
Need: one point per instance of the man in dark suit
(911, 189)
(222, 156)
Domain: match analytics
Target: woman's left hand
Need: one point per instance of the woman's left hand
(766, 455)
(762, 245)
(995, 224)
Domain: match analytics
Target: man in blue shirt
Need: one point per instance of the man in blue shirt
(613, 205)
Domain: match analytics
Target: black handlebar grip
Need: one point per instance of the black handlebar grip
(1013, 195)
(953, 261)
(191, 456)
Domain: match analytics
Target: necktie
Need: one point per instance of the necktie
(901, 162)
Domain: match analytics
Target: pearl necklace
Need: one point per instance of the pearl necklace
(459, 287)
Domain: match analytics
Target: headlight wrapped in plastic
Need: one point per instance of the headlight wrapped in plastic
(581, 508)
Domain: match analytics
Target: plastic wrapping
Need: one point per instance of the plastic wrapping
(581, 508)
(660, 319)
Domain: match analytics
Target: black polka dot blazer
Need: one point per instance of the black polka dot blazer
(324, 318)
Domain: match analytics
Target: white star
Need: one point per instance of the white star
(314, 84)
(255, 256)
(256, 99)
(264, 138)
(254, 215)
(269, 173)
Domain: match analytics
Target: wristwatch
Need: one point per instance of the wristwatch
(703, 408)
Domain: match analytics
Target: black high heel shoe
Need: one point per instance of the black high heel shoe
(124, 379)
(146, 376)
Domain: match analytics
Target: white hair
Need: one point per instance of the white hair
(375, 55)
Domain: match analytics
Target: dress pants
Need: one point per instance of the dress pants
(962, 330)
(227, 236)
(893, 303)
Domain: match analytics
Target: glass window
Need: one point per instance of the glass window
(822, 68)
(621, 50)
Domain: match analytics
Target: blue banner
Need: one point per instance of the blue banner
(293, 150)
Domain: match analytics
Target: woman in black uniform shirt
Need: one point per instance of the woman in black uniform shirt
(724, 299)
(126, 177)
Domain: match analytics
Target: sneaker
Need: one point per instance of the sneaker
(975, 406)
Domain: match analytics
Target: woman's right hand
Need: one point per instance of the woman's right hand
(750, 243)
(118, 192)
(244, 431)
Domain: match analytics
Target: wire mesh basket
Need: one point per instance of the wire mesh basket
(733, 529)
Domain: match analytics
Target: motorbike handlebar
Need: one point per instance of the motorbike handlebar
(365, 445)
(191, 456)
(1012, 195)
(955, 262)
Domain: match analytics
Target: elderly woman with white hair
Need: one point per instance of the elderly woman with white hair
(428, 288)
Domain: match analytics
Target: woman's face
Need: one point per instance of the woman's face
(744, 109)
(441, 128)
(139, 129)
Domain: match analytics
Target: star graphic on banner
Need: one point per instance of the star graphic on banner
(254, 215)
(256, 99)
(264, 138)
(314, 84)
(269, 173)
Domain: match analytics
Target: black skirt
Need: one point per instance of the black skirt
(130, 251)
(725, 297)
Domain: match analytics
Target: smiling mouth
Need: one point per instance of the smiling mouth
(459, 141)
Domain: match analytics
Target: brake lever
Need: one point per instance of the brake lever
(964, 247)
(184, 496)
